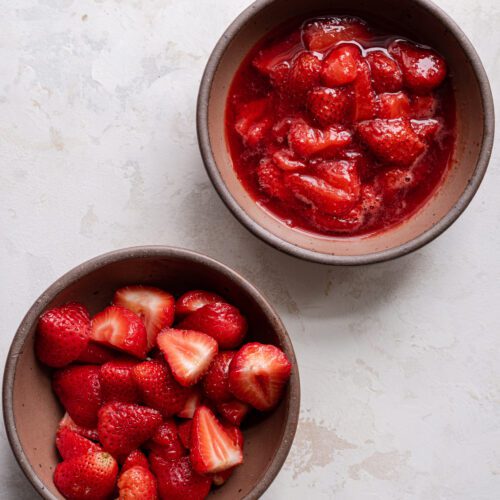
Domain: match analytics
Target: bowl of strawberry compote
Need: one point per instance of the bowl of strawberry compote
(151, 373)
(342, 138)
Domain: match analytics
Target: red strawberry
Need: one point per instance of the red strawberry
(423, 69)
(135, 458)
(87, 477)
(254, 121)
(341, 174)
(188, 353)
(154, 306)
(329, 106)
(304, 74)
(70, 444)
(137, 483)
(221, 321)
(184, 430)
(286, 160)
(68, 423)
(124, 427)
(392, 141)
(426, 129)
(212, 448)
(158, 388)
(346, 223)
(233, 411)
(258, 375)
(423, 106)
(178, 481)
(193, 300)
(307, 141)
(62, 335)
(371, 200)
(165, 441)
(270, 180)
(118, 383)
(237, 436)
(394, 183)
(393, 105)
(122, 329)
(192, 402)
(216, 381)
(340, 67)
(365, 103)
(96, 354)
(385, 71)
(79, 390)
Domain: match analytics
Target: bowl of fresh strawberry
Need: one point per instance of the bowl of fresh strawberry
(151, 372)
(345, 132)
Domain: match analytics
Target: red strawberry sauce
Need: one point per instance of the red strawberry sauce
(338, 128)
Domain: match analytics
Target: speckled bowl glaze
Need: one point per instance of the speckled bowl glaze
(421, 21)
(32, 412)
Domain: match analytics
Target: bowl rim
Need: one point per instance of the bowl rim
(293, 404)
(270, 238)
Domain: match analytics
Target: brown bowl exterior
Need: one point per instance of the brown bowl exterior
(420, 20)
(31, 410)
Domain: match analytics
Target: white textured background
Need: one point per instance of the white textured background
(399, 362)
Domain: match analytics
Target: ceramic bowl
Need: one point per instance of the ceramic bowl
(421, 21)
(32, 412)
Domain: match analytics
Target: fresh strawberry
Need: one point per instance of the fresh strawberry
(385, 71)
(188, 352)
(96, 354)
(117, 382)
(270, 179)
(192, 402)
(236, 435)
(221, 321)
(233, 411)
(124, 427)
(154, 306)
(212, 448)
(423, 106)
(216, 381)
(258, 375)
(304, 74)
(392, 141)
(329, 106)
(158, 388)
(307, 141)
(70, 444)
(340, 67)
(254, 121)
(135, 458)
(177, 479)
(184, 430)
(165, 441)
(79, 390)
(365, 102)
(121, 329)
(68, 423)
(87, 477)
(137, 483)
(286, 160)
(193, 300)
(423, 69)
(426, 129)
(62, 335)
(393, 105)
(346, 223)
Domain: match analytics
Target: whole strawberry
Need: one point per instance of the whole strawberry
(165, 441)
(118, 383)
(216, 381)
(137, 483)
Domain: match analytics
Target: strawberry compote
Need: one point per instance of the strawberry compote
(338, 128)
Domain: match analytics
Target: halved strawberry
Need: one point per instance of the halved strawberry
(62, 334)
(121, 329)
(192, 402)
(222, 321)
(188, 353)
(212, 448)
(340, 67)
(270, 180)
(254, 121)
(216, 382)
(87, 477)
(426, 129)
(70, 444)
(158, 388)
(233, 411)
(193, 300)
(304, 74)
(237, 436)
(117, 382)
(393, 105)
(137, 483)
(154, 306)
(385, 71)
(258, 375)
(68, 423)
(135, 458)
(96, 354)
(165, 441)
(184, 430)
(329, 106)
(365, 102)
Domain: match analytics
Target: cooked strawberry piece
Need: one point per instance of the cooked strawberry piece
(68, 423)
(222, 321)
(340, 67)
(121, 329)
(394, 183)
(340, 174)
(426, 129)
(254, 121)
(304, 74)
(286, 161)
(233, 411)
(79, 390)
(393, 105)
(371, 200)
(184, 430)
(271, 181)
(96, 354)
(212, 448)
(364, 98)
(392, 141)
(177, 479)
(155, 307)
(193, 300)
(137, 483)
(70, 444)
(117, 382)
(62, 334)
(123, 427)
(307, 141)
(385, 71)
(423, 69)
(258, 375)
(216, 381)
(158, 387)
(322, 34)
(280, 130)
(188, 353)
(423, 106)
(329, 106)
(87, 477)
(165, 441)
(346, 223)
(192, 402)
(134, 459)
